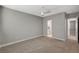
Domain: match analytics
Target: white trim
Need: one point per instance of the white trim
(49, 34)
(59, 39)
(7, 44)
(73, 19)
(56, 38)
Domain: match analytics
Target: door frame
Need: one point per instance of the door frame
(48, 35)
(73, 19)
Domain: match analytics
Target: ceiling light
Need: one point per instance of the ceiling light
(44, 11)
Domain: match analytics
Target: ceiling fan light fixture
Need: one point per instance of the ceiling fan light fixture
(42, 13)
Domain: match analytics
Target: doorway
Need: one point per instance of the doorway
(49, 28)
(73, 29)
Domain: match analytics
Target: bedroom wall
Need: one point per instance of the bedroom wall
(73, 15)
(58, 26)
(17, 25)
(1, 33)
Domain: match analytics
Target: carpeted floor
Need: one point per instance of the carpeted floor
(42, 45)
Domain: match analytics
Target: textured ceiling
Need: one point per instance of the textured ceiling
(36, 9)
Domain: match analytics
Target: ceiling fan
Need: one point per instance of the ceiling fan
(44, 11)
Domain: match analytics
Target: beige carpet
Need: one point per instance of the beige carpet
(42, 45)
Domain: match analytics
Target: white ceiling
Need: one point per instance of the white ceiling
(36, 9)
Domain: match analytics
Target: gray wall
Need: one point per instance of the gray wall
(17, 25)
(59, 26)
(1, 33)
(73, 15)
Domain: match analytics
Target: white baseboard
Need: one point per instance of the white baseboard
(59, 39)
(7, 44)
(56, 38)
